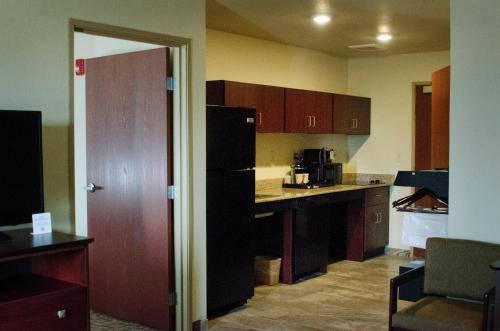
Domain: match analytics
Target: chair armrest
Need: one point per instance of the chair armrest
(395, 283)
(495, 265)
(407, 276)
(488, 309)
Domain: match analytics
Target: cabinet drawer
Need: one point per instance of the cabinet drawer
(41, 312)
(377, 195)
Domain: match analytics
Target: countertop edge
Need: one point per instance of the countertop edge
(288, 194)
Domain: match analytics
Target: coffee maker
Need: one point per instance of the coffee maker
(321, 168)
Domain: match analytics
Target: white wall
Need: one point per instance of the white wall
(251, 60)
(34, 64)
(88, 46)
(475, 120)
(388, 82)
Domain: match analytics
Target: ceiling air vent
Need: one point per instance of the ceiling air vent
(367, 47)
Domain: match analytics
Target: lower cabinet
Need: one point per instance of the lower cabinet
(376, 221)
(310, 232)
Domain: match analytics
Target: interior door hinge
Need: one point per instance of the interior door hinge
(172, 299)
(171, 83)
(171, 192)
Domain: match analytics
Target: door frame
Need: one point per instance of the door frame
(182, 161)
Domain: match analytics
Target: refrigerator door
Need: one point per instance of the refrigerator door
(230, 138)
(230, 238)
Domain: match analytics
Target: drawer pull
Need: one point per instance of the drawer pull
(378, 195)
(62, 313)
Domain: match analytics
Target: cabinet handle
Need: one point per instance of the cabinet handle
(352, 124)
(314, 121)
(62, 313)
(308, 121)
(356, 123)
(260, 118)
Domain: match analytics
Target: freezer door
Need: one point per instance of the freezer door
(230, 138)
(230, 238)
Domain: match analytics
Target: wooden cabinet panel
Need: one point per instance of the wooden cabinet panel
(351, 114)
(61, 310)
(376, 233)
(376, 228)
(271, 109)
(308, 111)
(268, 101)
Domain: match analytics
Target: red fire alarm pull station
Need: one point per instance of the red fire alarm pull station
(80, 67)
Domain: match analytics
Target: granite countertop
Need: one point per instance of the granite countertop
(277, 194)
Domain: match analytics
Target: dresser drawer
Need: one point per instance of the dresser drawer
(65, 310)
(377, 195)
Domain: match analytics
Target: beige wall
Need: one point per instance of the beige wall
(34, 62)
(389, 148)
(474, 120)
(250, 60)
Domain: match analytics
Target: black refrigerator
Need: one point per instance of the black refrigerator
(230, 207)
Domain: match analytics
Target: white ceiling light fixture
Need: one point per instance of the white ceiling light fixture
(321, 19)
(384, 36)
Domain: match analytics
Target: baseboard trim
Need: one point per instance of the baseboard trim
(200, 325)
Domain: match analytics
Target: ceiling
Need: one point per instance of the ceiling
(416, 25)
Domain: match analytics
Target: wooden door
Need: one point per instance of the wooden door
(422, 129)
(268, 101)
(440, 118)
(129, 154)
(308, 111)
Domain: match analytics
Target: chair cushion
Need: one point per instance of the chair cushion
(438, 313)
(459, 268)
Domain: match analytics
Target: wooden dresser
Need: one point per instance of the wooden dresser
(44, 282)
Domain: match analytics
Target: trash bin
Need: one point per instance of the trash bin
(267, 270)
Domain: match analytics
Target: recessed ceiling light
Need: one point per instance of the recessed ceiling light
(384, 37)
(321, 19)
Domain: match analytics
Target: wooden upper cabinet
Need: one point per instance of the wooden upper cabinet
(308, 111)
(351, 114)
(268, 101)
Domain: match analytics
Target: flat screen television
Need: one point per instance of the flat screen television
(21, 172)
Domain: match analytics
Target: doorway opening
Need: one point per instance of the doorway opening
(90, 40)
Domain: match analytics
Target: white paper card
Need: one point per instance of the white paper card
(42, 223)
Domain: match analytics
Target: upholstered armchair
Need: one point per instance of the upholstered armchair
(459, 287)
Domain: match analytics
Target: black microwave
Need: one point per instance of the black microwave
(325, 174)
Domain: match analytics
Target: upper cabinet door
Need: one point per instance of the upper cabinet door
(268, 101)
(351, 115)
(308, 111)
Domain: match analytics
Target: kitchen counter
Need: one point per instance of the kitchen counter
(279, 194)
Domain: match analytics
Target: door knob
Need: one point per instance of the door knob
(91, 187)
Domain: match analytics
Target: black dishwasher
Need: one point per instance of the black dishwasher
(310, 236)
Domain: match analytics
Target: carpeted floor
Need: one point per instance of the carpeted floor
(105, 323)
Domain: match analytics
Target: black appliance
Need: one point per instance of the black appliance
(310, 237)
(21, 173)
(230, 207)
(321, 171)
